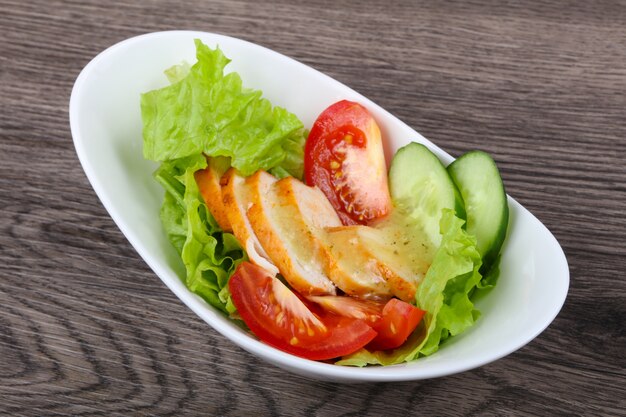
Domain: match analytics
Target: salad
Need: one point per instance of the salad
(304, 236)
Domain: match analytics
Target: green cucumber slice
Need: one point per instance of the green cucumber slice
(421, 188)
(478, 179)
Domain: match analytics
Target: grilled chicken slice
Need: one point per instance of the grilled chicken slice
(400, 258)
(208, 181)
(236, 196)
(344, 264)
(405, 249)
(351, 266)
(287, 217)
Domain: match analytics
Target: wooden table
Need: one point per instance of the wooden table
(86, 328)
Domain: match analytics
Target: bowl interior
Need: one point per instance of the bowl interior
(106, 127)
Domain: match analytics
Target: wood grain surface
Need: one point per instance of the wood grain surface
(86, 328)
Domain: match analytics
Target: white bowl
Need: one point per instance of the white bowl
(106, 126)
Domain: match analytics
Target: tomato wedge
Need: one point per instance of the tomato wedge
(393, 321)
(344, 157)
(398, 321)
(280, 318)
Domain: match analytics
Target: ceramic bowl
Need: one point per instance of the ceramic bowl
(106, 127)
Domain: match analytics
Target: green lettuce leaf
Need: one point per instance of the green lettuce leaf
(210, 256)
(207, 111)
(444, 294)
(177, 72)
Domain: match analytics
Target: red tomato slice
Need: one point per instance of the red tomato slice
(279, 318)
(398, 321)
(394, 321)
(344, 157)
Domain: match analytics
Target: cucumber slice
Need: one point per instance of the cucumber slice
(477, 178)
(421, 187)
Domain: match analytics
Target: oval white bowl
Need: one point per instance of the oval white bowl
(106, 126)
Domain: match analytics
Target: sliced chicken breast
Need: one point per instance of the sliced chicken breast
(407, 241)
(236, 194)
(287, 217)
(208, 181)
(399, 257)
(352, 267)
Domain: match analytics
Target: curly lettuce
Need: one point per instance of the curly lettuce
(210, 256)
(207, 111)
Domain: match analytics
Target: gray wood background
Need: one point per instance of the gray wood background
(86, 328)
